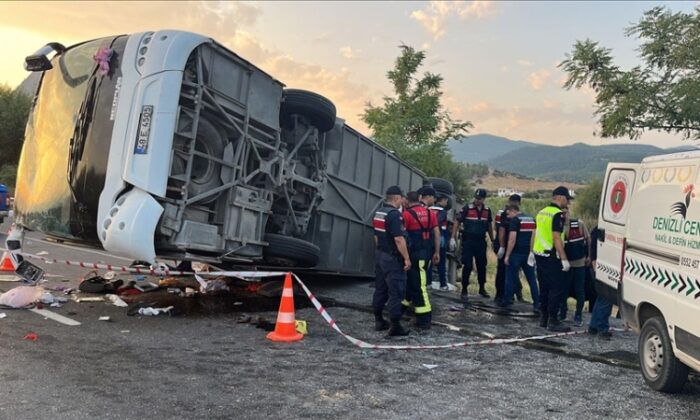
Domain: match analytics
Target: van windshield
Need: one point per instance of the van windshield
(43, 193)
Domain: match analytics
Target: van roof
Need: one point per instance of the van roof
(692, 154)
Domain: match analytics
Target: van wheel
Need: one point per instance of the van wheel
(289, 251)
(317, 109)
(661, 369)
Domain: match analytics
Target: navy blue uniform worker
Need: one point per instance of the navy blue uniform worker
(392, 263)
(476, 220)
(502, 225)
(552, 262)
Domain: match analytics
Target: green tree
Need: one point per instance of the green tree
(14, 110)
(414, 124)
(587, 202)
(663, 93)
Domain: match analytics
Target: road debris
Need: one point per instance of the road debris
(116, 300)
(21, 297)
(88, 299)
(3, 315)
(149, 311)
(31, 336)
(104, 318)
(55, 317)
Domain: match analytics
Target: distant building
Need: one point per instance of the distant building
(507, 192)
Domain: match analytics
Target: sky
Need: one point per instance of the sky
(498, 59)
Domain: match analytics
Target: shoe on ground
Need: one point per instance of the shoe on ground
(422, 327)
(464, 297)
(451, 287)
(537, 312)
(381, 325)
(483, 293)
(504, 304)
(444, 289)
(435, 285)
(558, 327)
(592, 331)
(398, 331)
(605, 335)
(578, 321)
(543, 321)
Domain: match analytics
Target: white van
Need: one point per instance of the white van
(648, 260)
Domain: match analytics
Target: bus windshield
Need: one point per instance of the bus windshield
(43, 193)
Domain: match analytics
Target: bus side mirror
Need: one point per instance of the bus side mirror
(39, 61)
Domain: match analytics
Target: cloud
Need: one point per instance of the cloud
(323, 38)
(524, 63)
(538, 79)
(96, 19)
(349, 97)
(227, 22)
(435, 17)
(349, 53)
(542, 123)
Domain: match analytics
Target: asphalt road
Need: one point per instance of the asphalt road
(206, 365)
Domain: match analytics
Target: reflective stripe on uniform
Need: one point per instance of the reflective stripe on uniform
(423, 289)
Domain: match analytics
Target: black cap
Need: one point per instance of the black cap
(426, 191)
(480, 193)
(394, 190)
(515, 197)
(562, 190)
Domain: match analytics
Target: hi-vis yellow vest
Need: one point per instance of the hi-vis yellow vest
(544, 238)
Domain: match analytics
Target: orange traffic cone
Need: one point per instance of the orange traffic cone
(7, 264)
(285, 328)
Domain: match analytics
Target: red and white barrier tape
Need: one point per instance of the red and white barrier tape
(365, 345)
(321, 310)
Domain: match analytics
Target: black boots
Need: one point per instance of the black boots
(483, 292)
(543, 320)
(557, 326)
(396, 329)
(380, 324)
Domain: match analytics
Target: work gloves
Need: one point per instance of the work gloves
(501, 252)
(531, 260)
(453, 244)
(565, 265)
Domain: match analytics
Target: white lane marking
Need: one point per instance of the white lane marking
(83, 250)
(56, 317)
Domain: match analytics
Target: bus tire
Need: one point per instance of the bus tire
(661, 370)
(442, 186)
(281, 247)
(317, 109)
(206, 174)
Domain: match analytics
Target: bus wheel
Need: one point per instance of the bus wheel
(206, 173)
(661, 369)
(286, 249)
(319, 111)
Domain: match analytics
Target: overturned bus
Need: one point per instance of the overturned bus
(166, 144)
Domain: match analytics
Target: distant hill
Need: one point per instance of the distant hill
(480, 148)
(575, 163)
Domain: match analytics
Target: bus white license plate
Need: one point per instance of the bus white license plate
(144, 130)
